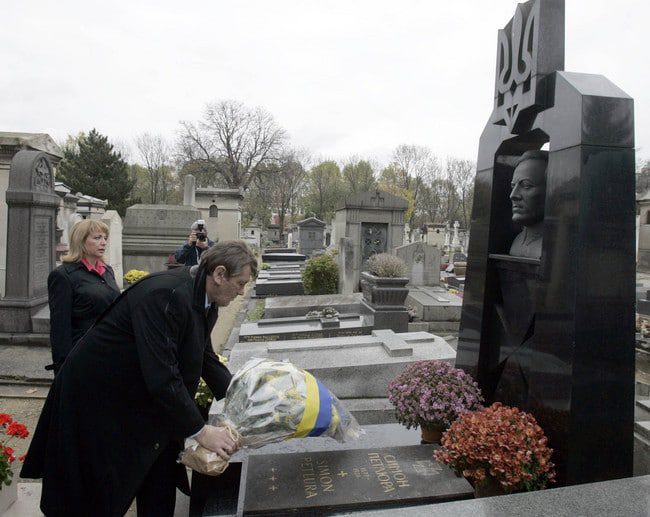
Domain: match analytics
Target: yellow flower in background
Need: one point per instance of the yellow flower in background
(133, 275)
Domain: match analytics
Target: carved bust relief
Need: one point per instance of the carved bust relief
(527, 195)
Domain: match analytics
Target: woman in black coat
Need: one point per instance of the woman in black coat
(80, 289)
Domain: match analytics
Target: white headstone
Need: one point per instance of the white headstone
(189, 191)
(113, 253)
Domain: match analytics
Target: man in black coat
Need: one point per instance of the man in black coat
(123, 402)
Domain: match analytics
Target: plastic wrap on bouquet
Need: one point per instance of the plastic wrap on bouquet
(270, 401)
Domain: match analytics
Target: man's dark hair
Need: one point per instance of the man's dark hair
(233, 255)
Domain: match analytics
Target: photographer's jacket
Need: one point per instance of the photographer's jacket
(123, 395)
(189, 254)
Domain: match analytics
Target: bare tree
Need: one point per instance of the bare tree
(412, 168)
(281, 182)
(460, 177)
(233, 140)
(156, 155)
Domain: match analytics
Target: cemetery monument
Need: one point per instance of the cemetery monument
(548, 324)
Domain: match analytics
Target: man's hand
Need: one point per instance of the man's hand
(202, 244)
(217, 439)
(192, 238)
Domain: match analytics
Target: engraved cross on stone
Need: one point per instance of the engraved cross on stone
(377, 199)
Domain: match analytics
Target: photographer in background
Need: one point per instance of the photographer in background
(190, 252)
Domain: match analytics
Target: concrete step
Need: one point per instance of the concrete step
(25, 363)
(25, 339)
(41, 321)
(20, 390)
(642, 429)
(642, 409)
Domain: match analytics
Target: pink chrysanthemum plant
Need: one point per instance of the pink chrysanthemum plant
(432, 394)
(499, 445)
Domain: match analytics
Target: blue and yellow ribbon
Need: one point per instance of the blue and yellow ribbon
(318, 409)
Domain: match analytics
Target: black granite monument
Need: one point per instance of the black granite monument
(552, 331)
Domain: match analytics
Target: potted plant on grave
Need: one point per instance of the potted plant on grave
(432, 395)
(10, 429)
(499, 449)
(383, 283)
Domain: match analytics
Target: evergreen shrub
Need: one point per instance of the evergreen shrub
(321, 275)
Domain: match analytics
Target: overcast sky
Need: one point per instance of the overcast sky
(351, 77)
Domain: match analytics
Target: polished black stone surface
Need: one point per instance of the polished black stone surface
(353, 479)
(556, 336)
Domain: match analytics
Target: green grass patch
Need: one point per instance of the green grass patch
(257, 313)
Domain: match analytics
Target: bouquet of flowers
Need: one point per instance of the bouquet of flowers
(10, 430)
(499, 443)
(270, 401)
(432, 394)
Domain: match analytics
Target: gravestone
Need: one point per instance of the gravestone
(374, 221)
(310, 235)
(114, 245)
(10, 144)
(66, 218)
(304, 327)
(288, 306)
(31, 223)
(422, 261)
(153, 232)
(357, 369)
(346, 263)
(554, 334)
(347, 480)
(280, 256)
(278, 287)
(437, 307)
(222, 493)
(189, 191)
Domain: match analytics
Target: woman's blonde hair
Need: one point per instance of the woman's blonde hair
(78, 236)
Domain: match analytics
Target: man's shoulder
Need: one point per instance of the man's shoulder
(160, 286)
(170, 277)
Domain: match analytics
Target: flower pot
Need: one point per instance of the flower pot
(8, 495)
(384, 292)
(431, 434)
(489, 487)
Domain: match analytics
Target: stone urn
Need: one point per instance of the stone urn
(384, 292)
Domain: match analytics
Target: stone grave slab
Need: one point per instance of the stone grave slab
(301, 327)
(289, 306)
(279, 275)
(212, 496)
(279, 250)
(278, 287)
(434, 304)
(351, 367)
(345, 480)
(283, 257)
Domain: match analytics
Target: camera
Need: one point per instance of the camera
(200, 230)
